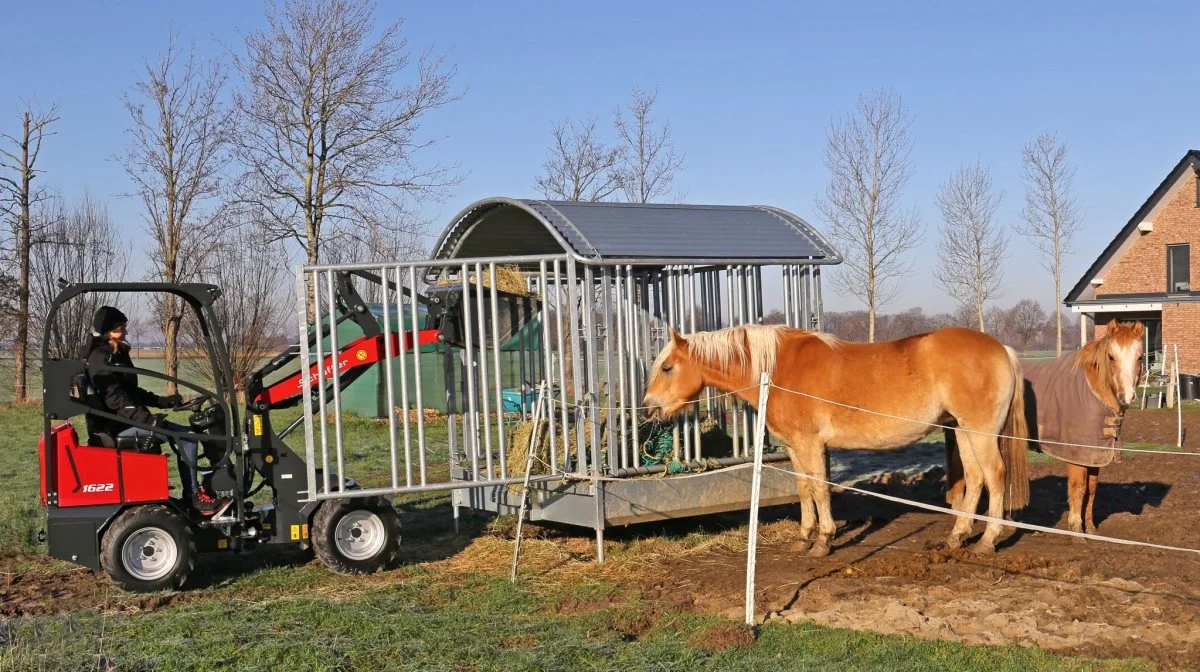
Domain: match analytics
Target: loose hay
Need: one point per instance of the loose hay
(509, 278)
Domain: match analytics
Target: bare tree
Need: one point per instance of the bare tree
(648, 160)
(254, 306)
(178, 135)
(775, 317)
(1050, 217)
(909, 323)
(80, 245)
(374, 243)
(972, 246)
(868, 159)
(579, 166)
(18, 200)
(1026, 320)
(328, 142)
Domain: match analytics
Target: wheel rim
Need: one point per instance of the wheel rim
(359, 535)
(150, 553)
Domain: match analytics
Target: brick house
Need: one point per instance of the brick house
(1145, 272)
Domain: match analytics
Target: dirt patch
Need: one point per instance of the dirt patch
(890, 573)
(722, 637)
(634, 623)
(38, 593)
(519, 642)
(35, 593)
(576, 606)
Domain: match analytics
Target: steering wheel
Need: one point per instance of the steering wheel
(193, 404)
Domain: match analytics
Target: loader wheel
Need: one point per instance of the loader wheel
(356, 536)
(148, 548)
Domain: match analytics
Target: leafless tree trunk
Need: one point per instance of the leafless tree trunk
(579, 166)
(868, 158)
(326, 139)
(174, 159)
(18, 198)
(648, 160)
(254, 307)
(972, 246)
(80, 245)
(1050, 217)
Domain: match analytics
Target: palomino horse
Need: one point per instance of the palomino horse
(1078, 398)
(950, 376)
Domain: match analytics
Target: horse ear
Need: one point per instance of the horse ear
(1138, 328)
(679, 341)
(1112, 323)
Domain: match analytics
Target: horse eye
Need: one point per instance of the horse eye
(666, 368)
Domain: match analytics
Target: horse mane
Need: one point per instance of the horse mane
(1093, 359)
(754, 342)
(826, 338)
(753, 347)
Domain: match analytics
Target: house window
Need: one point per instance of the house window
(1178, 271)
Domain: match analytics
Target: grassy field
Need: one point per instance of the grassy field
(449, 606)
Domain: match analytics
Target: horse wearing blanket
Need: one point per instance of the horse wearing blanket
(1079, 398)
(884, 396)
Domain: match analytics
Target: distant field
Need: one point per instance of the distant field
(147, 359)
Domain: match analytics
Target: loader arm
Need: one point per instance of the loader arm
(353, 359)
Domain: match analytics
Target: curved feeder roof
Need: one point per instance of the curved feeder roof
(634, 233)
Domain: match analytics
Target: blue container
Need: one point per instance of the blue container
(513, 401)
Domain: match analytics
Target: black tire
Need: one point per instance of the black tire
(370, 534)
(155, 534)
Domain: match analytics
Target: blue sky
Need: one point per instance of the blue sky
(750, 89)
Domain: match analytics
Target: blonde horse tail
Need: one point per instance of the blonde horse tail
(1014, 448)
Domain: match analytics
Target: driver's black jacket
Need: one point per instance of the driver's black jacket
(119, 391)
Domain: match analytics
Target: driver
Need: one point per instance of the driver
(121, 396)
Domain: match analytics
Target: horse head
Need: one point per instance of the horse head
(1123, 350)
(675, 381)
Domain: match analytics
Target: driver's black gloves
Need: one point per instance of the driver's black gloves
(170, 401)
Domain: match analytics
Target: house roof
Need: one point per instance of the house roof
(1191, 160)
(634, 233)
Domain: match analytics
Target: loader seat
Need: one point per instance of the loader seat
(96, 437)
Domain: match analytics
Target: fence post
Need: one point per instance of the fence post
(760, 430)
(1178, 403)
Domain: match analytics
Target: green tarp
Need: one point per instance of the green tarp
(367, 396)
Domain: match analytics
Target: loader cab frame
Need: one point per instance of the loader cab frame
(62, 397)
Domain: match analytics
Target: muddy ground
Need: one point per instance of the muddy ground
(888, 572)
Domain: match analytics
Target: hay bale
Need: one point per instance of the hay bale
(517, 450)
(509, 278)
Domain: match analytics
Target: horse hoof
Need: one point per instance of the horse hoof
(953, 543)
(819, 550)
(981, 548)
(801, 546)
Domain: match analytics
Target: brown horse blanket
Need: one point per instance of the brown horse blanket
(1060, 406)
